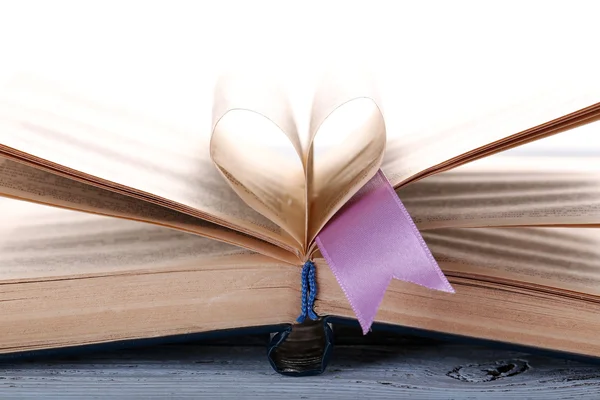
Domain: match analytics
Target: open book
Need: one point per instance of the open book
(157, 231)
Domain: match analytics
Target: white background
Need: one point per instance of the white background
(437, 63)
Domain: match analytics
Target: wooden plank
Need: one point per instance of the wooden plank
(421, 370)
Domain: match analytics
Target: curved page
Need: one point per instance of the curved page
(517, 190)
(112, 143)
(20, 181)
(256, 148)
(346, 142)
(558, 258)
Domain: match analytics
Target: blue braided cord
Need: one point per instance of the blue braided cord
(312, 285)
(303, 308)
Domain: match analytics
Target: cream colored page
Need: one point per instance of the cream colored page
(435, 70)
(38, 241)
(269, 184)
(564, 258)
(509, 190)
(23, 182)
(256, 147)
(462, 80)
(347, 152)
(446, 68)
(337, 182)
(346, 139)
(410, 155)
(109, 138)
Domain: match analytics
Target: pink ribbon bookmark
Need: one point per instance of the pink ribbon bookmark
(371, 240)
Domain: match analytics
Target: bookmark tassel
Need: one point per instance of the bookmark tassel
(309, 292)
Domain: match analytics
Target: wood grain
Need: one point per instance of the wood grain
(421, 369)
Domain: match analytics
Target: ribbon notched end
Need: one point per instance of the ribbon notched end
(372, 240)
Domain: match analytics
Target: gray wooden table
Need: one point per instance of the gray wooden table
(384, 366)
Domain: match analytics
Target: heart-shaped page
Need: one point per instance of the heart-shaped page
(298, 181)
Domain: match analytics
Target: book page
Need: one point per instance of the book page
(38, 241)
(254, 143)
(442, 73)
(346, 141)
(21, 181)
(73, 278)
(257, 149)
(468, 75)
(113, 144)
(415, 156)
(521, 189)
(562, 258)
(503, 311)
